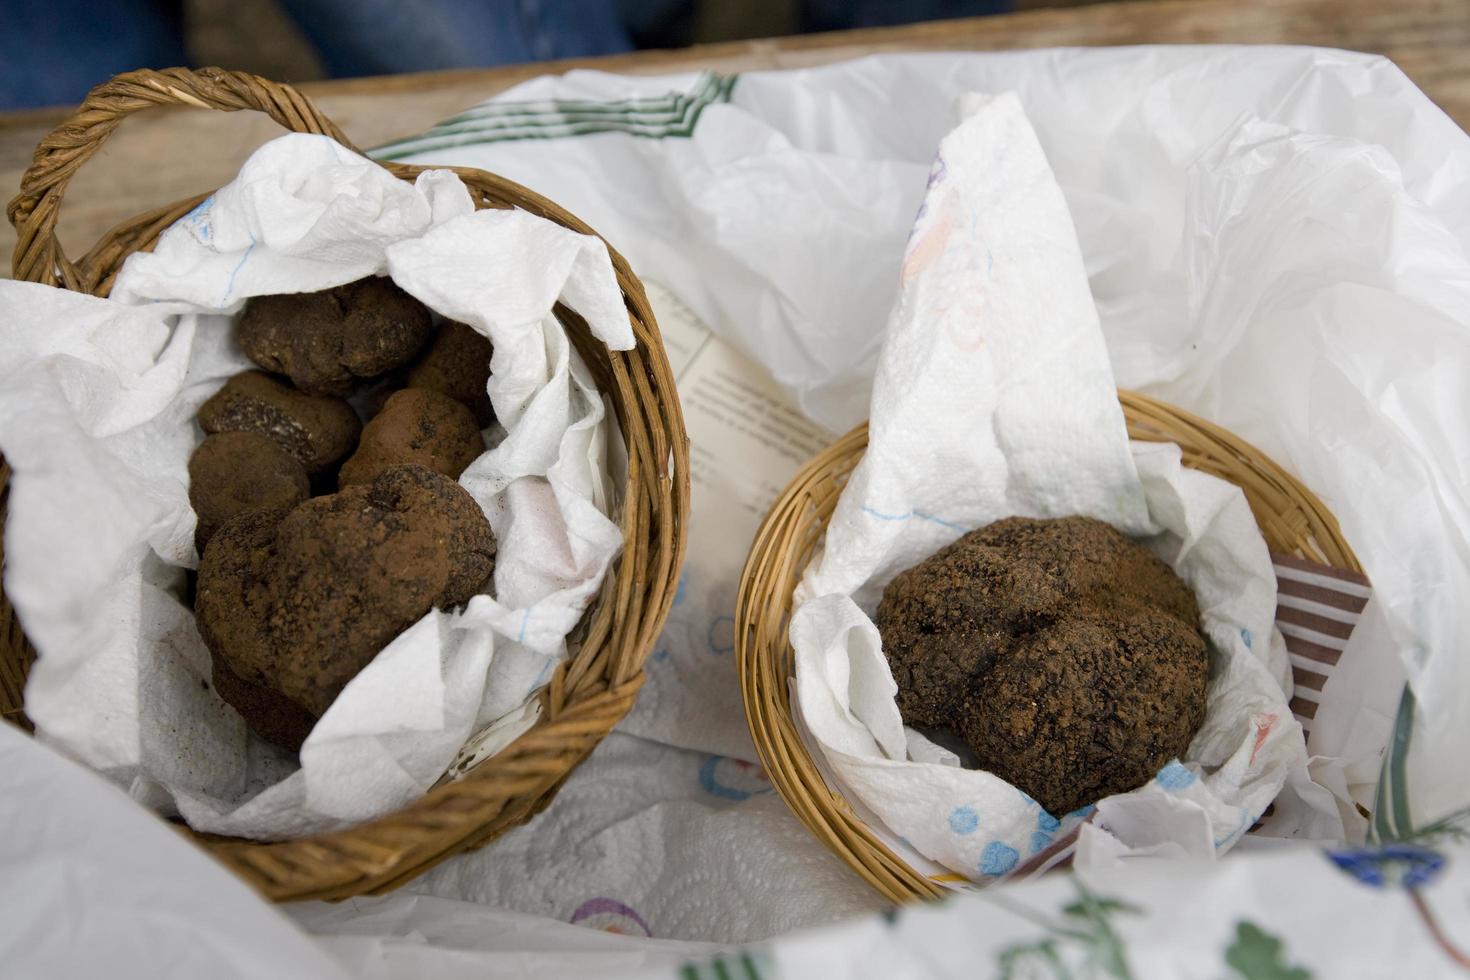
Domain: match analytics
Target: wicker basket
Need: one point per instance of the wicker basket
(586, 696)
(1291, 518)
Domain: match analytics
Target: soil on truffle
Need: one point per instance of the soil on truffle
(233, 473)
(457, 363)
(316, 430)
(331, 341)
(1067, 656)
(420, 427)
(299, 602)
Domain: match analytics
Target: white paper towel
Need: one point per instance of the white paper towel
(97, 399)
(994, 398)
(663, 842)
(92, 885)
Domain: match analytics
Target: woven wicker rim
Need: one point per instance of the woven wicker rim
(1291, 518)
(586, 695)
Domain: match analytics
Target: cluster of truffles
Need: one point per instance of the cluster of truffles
(1066, 656)
(321, 538)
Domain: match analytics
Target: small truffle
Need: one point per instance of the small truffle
(415, 426)
(299, 602)
(328, 342)
(457, 364)
(233, 473)
(272, 716)
(1067, 656)
(316, 430)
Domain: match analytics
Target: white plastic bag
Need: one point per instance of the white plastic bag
(1276, 239)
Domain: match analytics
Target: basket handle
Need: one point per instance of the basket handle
(38, 256)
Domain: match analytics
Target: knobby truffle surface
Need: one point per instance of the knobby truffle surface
(299, 601)
(415, 426)
(317, 430)
(457, 363)
(331, 341)
(1067, 656)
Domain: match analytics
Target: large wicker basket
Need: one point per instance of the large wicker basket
(1291, 518)
(587, 695)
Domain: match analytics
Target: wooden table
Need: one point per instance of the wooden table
(167, 154)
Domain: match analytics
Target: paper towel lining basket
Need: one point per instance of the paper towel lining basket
(1292, 520)
(588, 694)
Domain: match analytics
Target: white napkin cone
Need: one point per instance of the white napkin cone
(994, 397)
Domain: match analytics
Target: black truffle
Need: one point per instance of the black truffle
(329, 342)
(1067, 656)
(316, 430)
(457, 364)
(415, 426)
(298, 602)
(233, 473)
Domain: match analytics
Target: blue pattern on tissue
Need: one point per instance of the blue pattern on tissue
(230, 286)
(998, 858)
(718, 643)
(912, 514)
(1174, 776)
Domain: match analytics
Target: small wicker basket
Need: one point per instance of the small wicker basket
(1291, 518)
(586, 695)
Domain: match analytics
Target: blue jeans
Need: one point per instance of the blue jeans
(53, 51)
(383, 37)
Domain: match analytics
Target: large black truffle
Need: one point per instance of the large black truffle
(298, 602)
(1067, 656)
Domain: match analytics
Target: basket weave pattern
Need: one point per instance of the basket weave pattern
(588, 694)
(1291, 518)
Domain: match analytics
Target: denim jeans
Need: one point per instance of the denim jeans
(53, 51)
(381, 37)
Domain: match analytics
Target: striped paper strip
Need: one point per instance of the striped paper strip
(1317, 608)
(670, 116)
